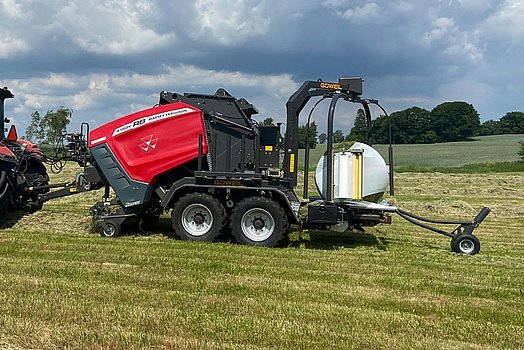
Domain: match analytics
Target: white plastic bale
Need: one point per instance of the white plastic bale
(343, 168)
(374, 173)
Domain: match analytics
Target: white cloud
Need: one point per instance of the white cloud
(100, 27)
(360, 13)
(11, 8)
(11, 45)
(112, 27)
(507, 22)
(127, 92)
(231, 21)
(441, 27)
(458, 44)
(464, 48)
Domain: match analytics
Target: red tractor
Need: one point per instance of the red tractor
(21, 168)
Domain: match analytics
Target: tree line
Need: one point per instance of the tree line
(447, 122)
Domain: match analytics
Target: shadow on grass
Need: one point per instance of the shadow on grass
(11, 218)
(329, 240)
(321, 240)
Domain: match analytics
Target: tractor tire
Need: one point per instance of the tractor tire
(113, 229)
(5, 195)
(258, 221)
(465, 243)
(198, 217)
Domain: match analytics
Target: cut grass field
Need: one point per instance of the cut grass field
(394, 287)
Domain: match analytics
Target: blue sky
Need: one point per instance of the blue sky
(105, 59)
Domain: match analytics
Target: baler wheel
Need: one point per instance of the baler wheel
(465, 243)
(113, 229)
(258, 221)
(198, 217)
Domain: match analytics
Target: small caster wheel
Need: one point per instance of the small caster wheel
(465, 243)
(109, 228)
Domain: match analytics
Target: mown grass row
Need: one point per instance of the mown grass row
(478, 168)
(395, 286)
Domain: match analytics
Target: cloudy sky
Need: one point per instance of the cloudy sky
(105, 59)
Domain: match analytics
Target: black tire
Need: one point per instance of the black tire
(465, 243)
(5, 195)
(198, 217)
(258, 221)
(113, 229)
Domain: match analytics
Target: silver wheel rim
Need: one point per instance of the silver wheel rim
(110, 232)
(197, 219)
(467, 246)
(257, 224)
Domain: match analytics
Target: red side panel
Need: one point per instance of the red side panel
(153, 141)
(31, 147)
(4, 151)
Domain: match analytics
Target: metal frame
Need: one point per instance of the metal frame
(463, 226)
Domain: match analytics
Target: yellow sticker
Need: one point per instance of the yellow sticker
(269, 148)
(292, 163)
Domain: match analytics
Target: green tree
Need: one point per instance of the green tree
(55, 123)
(455, 121)
(35, 132)
(359, 131)
(309, 133)
(411, 125)
(512, 123)
(268, 122)
(490, 127)
(380, 130)
(50, 128)
(338, 136)
(429, 136)
(322, 138)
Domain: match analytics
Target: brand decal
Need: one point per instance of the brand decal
(148, 142)
(138, 123)
(227, 183)
(331, 86)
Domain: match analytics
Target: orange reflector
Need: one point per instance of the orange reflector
(12, 136)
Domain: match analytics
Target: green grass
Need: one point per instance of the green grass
(503, 167)
(483, 150)
(394, 287)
